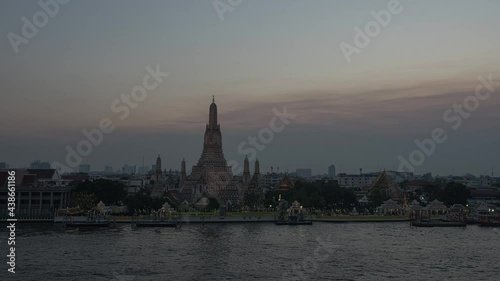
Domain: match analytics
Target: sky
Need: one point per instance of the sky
(257, 57)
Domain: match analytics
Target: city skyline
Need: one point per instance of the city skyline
(149, 168)
(250, 139)
(358, 115)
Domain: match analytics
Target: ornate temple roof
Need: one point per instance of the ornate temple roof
(390, 204)
(384, 182)
(436, 205)
(285, 183)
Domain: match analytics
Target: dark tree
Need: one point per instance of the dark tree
(377, 197)
(455, 193)
(320, 195)
(108, 191)
(143, 202)
(86, 201)
(213, 204)
(251, 199)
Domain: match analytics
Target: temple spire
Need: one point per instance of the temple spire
(246, 166)
(257, 167)
(212, 118)
(246, 171)
(158, 165)
(183, 175)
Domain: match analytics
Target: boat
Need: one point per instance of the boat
(295, 215)
(75, 217)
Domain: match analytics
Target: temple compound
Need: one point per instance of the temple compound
(252, 186)
(212, 177)
(161, 181)
(385, 184)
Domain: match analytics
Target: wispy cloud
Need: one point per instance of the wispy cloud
(402, 110)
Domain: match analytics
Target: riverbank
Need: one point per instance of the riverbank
(228, 218)
(346, 219)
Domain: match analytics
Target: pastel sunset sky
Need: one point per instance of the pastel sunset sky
(262, 55)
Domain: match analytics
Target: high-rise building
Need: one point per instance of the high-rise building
(84, 168)
(331, 171)
(144, 170)
(108, 169)
(128, 170)
(37, 164)
(304, 173)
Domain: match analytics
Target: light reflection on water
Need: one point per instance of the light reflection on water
(358, 251)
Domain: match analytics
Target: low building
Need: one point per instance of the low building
(270, 181)
(411, 186)
(39, 192)
(84, 168)
(399, 177)
(472, 181)
(304, 173)
(37, 164)
(76, 177)
(488, 196)
(132, 185)
(356, 181)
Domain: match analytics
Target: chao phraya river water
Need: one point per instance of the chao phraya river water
(256, 251)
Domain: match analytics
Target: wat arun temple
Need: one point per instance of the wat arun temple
(211, 177)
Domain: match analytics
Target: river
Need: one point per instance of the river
(255, 251)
